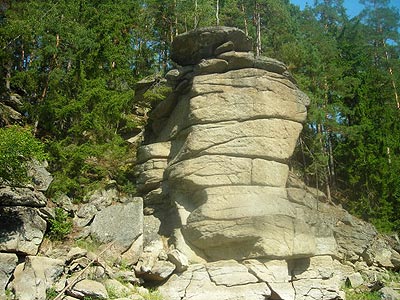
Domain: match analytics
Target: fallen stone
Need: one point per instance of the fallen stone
(388, 293)
(225, 47)
(355, 280)
(22, 229)
(8, 263)
(160, 271)
(156, 150)
(75, 253)
(33, 277)
(210, 66)
(121, 223)
(84, 216)
(88, 288)
(117, 288)
(180, 260)
(149, 257)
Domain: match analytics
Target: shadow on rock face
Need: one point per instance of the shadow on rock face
(10, 223)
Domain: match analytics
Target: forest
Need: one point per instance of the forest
(73, 65)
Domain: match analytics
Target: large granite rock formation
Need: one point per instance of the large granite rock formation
(220, 143)
(217, 149)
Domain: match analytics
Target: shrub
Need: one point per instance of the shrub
(60, 225)
(18, 147)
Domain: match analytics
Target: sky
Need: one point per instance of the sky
(352, 6)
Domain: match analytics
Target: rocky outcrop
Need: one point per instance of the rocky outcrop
(10, 109)
(221, 217)
(217, 149)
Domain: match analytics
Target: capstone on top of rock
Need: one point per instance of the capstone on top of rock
(191, 47)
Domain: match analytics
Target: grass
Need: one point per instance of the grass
(364, 295)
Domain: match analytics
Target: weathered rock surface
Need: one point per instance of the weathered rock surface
(35, 276)
(8, 262)
(121, 223)
(22, 229)
(220, 145)
(217, 148)
(233, 282)
(40, 176)
(21, 196)
(190, 48)
(88, 288)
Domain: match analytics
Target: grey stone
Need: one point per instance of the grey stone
(156, 150)
(88, 288)
(149, 257)
(121, 223)
(103, 197)
(229, 273)
(197, 284)
(238, 60)
(85, 214)
(191, 47)
(179, 259)
(225, 47)
(355, 280)
(118, 289)
(22, 229)
(41, 178)
(35, 276)
(212, 65)
(75, 253)
(21, 196)
(160, 271)
(388, 293)
(8, 263)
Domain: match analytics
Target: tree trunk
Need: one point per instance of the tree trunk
(326, 169)
(246, 29)
(392, 78)
(195, 15)
(217, 13)
(257, 20)
(8, 77)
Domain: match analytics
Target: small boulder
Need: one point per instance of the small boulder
(388, 293)
(8, 262)
(355, 280)
(88, 288)
(35, 276)
(189, 48)
(22, 229)
(121, 223)
(179, 260)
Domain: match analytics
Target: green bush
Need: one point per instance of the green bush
(60, 226)
(79, 169)
(366, 295)
(18, 147)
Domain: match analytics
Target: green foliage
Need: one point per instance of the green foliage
(51, 293)
(60, 226)
(18, 147)
(354, 295)
(79, 169)
(153, 295)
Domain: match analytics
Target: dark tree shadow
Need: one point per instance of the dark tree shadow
(10, 223)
